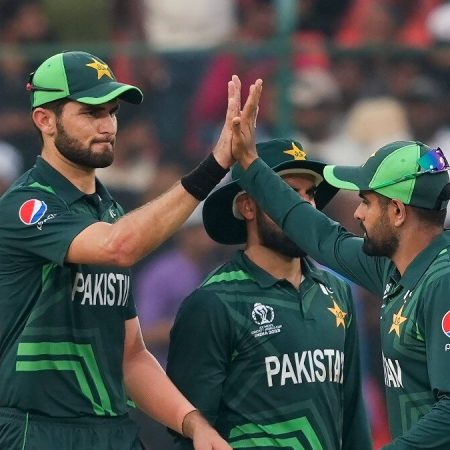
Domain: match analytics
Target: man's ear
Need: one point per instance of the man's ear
(45, 121)
(398, 211)
(246, 206)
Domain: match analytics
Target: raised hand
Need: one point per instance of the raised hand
(222, 150)
(243, 147)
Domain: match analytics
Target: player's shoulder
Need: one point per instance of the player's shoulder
(27, 186)
(439, 269)
(221, 287)
(227, 277)
(28, 200)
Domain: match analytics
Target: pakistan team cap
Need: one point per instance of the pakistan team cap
(408, 171)
(78, 76)
(221, 218)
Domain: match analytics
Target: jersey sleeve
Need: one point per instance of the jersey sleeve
(131, 310)
(356, 431)
(200, 350)
(432, 430)
(320, 237)
(47, 233)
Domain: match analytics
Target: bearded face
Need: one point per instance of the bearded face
(271, 236)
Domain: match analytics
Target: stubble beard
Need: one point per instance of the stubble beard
(385, 245)
(72, 150)
(272, 237)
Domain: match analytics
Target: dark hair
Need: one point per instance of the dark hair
(56, 106)
(431, 217)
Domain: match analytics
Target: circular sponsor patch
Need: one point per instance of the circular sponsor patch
(32, 211)
(446, 324)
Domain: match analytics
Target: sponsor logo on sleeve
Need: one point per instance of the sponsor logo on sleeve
(446, 328)
(32, 211)
(446, 324)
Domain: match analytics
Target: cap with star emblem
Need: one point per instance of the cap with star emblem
(78, 76)
(223, 222)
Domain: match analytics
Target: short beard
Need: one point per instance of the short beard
(386, 248)
(387, 242)
(272, 237)
(71, 149)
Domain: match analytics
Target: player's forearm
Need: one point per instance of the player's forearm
(319, 236)
(430, 432)
(133, 236)
(145, 228)
(153, 392)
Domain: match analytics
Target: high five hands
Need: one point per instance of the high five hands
(237, 139)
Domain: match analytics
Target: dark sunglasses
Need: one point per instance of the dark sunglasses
(32, 87)
(433, 161)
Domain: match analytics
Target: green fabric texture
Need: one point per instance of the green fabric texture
(271, 366)
(78, 76)
(63, 323)
(415, 343)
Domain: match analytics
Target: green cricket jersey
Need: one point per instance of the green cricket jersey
(415, 316)
(271, 366)
(62, 325)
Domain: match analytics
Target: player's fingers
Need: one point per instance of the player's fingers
(238, 86)
(236, 128)
(251, 105)
(232, 110)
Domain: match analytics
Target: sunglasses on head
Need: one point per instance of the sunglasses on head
(434, 161)
(32, 87)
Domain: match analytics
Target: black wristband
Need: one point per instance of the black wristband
(204, 178)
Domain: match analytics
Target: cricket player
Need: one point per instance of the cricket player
(267, 347)
(72, 357)
(403, 257)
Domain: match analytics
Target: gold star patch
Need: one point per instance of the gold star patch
(397, 320)
(102, 69)
(297, 153)
(340, 315)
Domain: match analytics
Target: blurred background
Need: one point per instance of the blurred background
(343, 77)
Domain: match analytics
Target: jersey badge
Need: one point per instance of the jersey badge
(446, 324)
(397, 320)
(262, 314)
(339, 314)
(32, 211)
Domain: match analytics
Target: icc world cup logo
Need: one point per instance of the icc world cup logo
(262, 314)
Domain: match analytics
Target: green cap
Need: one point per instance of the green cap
(223, 222)
(78, 76)
(397, 171)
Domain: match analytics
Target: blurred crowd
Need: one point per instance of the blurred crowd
(343, 77)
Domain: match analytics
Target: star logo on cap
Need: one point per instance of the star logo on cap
(397, 320)
(339, 314)
(297, 153)
(102, 69)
